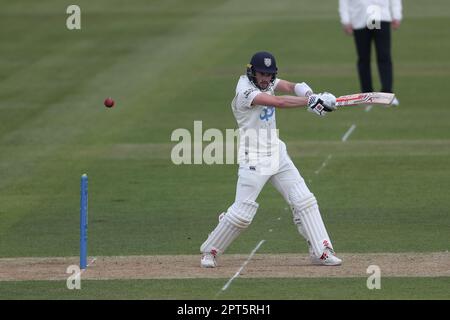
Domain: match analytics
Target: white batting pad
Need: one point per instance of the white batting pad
(299, 224)
(237, 218)
(241, 213)
(302, 191)
(307, 211)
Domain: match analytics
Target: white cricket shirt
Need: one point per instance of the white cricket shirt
(257, 124)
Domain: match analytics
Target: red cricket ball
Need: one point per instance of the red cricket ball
(109, 102)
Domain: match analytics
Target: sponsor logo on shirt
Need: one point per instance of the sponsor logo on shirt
(267, 113)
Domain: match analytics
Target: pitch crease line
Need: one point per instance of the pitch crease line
(88, 265)
(324, 164)
(348, 133)
(369, 107)
(225, 287)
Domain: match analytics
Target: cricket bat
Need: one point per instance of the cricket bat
(365, 98)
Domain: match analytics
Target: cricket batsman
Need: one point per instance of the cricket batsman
(263, 157)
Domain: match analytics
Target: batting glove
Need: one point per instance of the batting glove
(322, 103)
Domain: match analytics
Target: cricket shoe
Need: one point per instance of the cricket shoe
(208, 260)
(328, 258)
(395, 102)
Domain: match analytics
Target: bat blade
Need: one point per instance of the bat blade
(365, 99)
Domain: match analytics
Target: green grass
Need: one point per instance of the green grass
(250, 289)
(168, 63)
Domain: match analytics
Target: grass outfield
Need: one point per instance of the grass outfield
(168, 63)
(251, 289)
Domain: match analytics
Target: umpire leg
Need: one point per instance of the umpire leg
(363, 40)
(383, 48)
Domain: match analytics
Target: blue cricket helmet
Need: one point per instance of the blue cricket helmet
(264, 62)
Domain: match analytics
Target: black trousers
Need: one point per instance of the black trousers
(363, 40)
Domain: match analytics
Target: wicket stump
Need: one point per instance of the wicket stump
(83, 220)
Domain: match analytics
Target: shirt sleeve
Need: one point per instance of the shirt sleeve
(245, 98)
(344, 12)
(396, 9)
(275, 83)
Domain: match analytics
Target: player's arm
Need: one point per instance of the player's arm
(299, 89)
(264, 99)
(317, 103)
(285, 87)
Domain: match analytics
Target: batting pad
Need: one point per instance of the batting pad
(299, 224)
(237, 218)
(307, 212)
(302, 191)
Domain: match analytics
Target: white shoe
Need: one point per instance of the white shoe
(208, 261)
(395, 102)
(327, 259)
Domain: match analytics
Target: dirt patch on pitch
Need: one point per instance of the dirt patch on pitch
(260, 266)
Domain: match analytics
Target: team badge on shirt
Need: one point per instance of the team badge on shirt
(248, 91)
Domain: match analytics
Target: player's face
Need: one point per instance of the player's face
(263, 79)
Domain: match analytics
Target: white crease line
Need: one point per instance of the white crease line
(369, 107)
(324, 163)
(88, 265)
(348, 133)
(92, 262)
(225, 287)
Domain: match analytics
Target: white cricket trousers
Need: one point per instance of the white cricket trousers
(251, 181)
